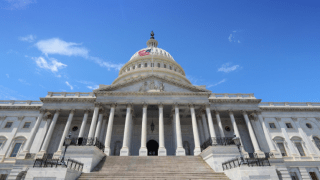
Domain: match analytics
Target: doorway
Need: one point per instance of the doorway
(152, 147)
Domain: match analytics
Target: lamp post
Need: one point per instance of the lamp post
(67, 142)
(238, 144)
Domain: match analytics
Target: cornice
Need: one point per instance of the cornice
(90, 100)
(247, 101)
(141, 78)
(112, 93)
(289, 109)
(20, 107)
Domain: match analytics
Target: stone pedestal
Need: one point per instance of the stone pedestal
(124, 151)
(196, 151)
(216, 155)
(180, 151)
(260, 154)
(52, 173)
(143, 151)
(246, 173)
(90, 156)
(162, 152)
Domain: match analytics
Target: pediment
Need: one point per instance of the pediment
(152, 83)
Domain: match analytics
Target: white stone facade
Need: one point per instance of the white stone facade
(114, 114)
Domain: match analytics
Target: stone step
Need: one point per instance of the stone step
(169, 167)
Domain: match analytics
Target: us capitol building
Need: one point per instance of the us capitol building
(152, 123)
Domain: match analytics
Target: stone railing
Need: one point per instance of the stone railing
(289, 104)
(20, 103)
(70, 94)
(231, 96)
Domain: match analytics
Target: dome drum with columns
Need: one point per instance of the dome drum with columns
(154, 110)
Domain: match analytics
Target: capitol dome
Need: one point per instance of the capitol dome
(152, 61)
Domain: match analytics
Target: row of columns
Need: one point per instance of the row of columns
(206, 130)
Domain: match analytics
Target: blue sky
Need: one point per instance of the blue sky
(269, 48)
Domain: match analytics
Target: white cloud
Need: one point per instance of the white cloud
(7, 75)
(53, 65)
(238, 41)
(93, 87)
(58, 46)
(222, 81)
(226, 68)
(29, 38)
(18, 4)
(71, 87)
(230, 38)
(85, 82)
(105, 64)
(24, 82)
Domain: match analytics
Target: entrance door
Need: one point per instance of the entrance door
(152, 147)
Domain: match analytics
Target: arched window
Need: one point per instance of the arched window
(170, 68)
(133, 67)
(317, 142)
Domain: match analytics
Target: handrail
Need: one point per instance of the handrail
(231, 96)
(87, 142)
(70, 94)
(250, 162)
(289, 104)
(20, 103)
(226, 141)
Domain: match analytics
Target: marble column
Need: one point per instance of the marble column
(49, 134)
(66, 129)
(162, 150)
(253, 138)
(107, 150)
(32, 136)
(98, 128)
(307, 141)
(197, 149)
(93, 123)
(202, 138)
(125, 149)
(268, 138)
(205, 126)
(103, 128)
(143, 148)
(84, 123)
(211, 127)
(219, 124)
(180, 151)
(236, 131)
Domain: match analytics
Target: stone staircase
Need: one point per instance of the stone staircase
(153, 167)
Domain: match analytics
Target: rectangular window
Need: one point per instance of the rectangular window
(272, 125)
(313, 176)
(15, 150)
(170, 68)
(1, 144)
(145, 64)
(165, 66)
(300, 149)
(26, 124)
(139, 66)
(158, 64)
(294, 176)
(289, 125)
(133, 67)
(8, 125)
(282, 149)
(152, 64)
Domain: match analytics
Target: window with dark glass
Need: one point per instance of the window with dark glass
(139, 66)
(170, 68)
(300, 148)
(165, 66)
(289, 125)
(313, 176)
(15, 150)
(145, 64)
(294, 176)
(308, 125)
(317, 142)
(8, 125)
(272, 125)
(158, 64)
(26, 124)
(282, 149)
(133, 67)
